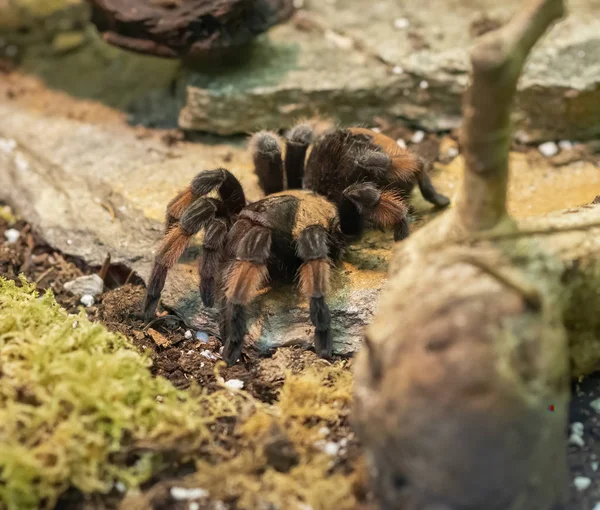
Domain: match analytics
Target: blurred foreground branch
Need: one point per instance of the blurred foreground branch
(469, 347)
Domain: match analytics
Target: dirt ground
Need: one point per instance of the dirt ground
(183, 360)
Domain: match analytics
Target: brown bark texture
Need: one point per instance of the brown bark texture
(481, 325)
(178, 28)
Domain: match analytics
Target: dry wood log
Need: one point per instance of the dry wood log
(178, 28)
(469, 348)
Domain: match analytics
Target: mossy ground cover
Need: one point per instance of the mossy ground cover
(80, 409)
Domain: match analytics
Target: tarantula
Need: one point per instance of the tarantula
(296, 231)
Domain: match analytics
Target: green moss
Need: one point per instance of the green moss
(77, 403)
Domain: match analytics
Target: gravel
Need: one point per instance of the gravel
(548, 149)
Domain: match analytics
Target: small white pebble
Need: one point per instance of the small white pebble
(548, 149)
(202, 336)
(594, 466)
(69, 242)
(187, 334)
(397, 70)
(595, 405)
(209, 355)
(75, 324)
(424, 85)
(331, 448)
(160, 398)
(194, 506)
(565, 145)
(304, 506)
(298, 4)
(582, 483)
(401, 143)
(87, 300)
(401, 23)
(324, 431)
(376, 130)
(21, 162)
(7, 145)
(581, 53)
(418, 137)
(235, 383)
(577, 428)
(120, 486)
(576, 440)
(181, 493)
(12, 235)
(87, 284)
(452, 152)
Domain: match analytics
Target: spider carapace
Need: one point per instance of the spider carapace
(352, 178)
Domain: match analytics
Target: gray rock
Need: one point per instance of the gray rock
(87, 285)
(381, 71)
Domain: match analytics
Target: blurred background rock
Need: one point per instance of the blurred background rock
(351, 61)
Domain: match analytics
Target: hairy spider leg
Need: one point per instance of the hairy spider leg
(228, 187)
(197, 216)
(426, 186)
(297, 141)
(384, 208)
(243, 279)
(314, 274)
(212, 255)
(406, 166)
(268, 164)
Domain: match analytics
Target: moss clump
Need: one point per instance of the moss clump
(77, 403)
(315, 398)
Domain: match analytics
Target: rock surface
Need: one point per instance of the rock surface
(353, 61)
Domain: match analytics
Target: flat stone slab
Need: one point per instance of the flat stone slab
(356, 60)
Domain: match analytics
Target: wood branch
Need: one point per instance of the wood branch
(497, 60)
(178, 28)
(469, 346)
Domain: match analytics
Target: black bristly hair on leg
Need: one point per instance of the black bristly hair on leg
(426, 187)
(268, 163)
(245, 276)
(297, 141)
(314, 275)
(384, 208)
(214, 240)
(197, 216)
(229, 189)
(235, 316)
(374, 162)
(320, 316)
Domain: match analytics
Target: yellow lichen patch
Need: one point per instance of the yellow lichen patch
(79, 407)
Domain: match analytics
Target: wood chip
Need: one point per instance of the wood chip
(159, 338)
(139, 335)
